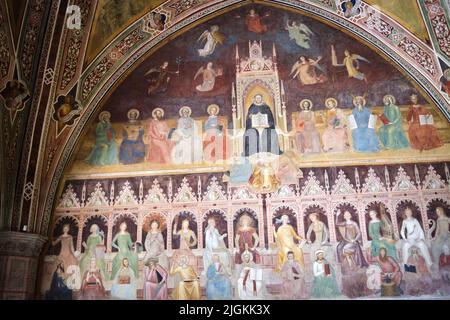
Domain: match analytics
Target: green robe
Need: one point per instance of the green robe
(375, 234)
(105, 148)
(123, 243)
(325, 287)
(91, 243)
(392, 135)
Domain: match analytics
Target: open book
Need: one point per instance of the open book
(372, 121)
(352, 122)
(426, 119)
(260, 120)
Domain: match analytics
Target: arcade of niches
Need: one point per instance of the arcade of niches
(207, 149)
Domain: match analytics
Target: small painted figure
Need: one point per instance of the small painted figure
(124, 283)
(155, 281)
(391, 132)
(335, 137)
(132, 148)
(324, 284)
(218, 286)
(105, 149)
(307, 137)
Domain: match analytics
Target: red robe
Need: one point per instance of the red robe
(254, 24)
(422, 137)
(159, 146)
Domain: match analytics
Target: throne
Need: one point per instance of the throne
(257, 74)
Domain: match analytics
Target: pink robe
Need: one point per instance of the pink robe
(159, 146)
(151, 291)
(389, 265)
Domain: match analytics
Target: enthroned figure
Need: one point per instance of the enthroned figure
(132, 148)
(307, 137)
(260, 134)
(442, 235)
(188, 288)
(285, 237)
(319, 229)
(250, 281)
(188, 148)
(246, 239)
(335, 137)
(215, 245)
(159, 145)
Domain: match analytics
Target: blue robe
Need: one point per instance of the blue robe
(218, 286)
(58, 289)
(240, 172)
(364, 138)
(132, 151)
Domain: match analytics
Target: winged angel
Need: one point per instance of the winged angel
(300, 33)
(305, 71)
(209, 77)
(211, 38)
(351, 63)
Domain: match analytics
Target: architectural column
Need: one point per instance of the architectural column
(19, 258)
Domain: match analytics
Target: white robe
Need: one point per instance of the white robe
(189, 145)
(214, 244)
(413, 236)
(253, 281)
(209, 47)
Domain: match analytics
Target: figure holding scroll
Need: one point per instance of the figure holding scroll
(362, 123)
(260, 134)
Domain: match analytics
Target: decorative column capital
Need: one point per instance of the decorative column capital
(21, 244)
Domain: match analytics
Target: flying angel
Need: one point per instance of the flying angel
(209, 77)
(211, 38)
(304, 70)
(351, 63)
(300, 33)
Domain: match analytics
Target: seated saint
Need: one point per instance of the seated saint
(215, 245)
(105, 149)
(307, 137)
(260, 134)
(391, 132)
(324, 285)
(250, 281)
(213, 141)
(218, 286)
(132, 148)
(188, 288)
(362, 124)
(413, 235)
(293, 279)
(351, 235)
(124, 283)
(154, 245)
(335, 137)
(285, 238)
(155, 281)
(159, 145)
(92, 284)
(58, 288)
(188, 147)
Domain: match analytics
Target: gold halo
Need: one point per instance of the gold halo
(183, 108)
(133, 110)
(213, 106)
(389, 96)
(103, 114)
(157, 109)
(331, 99)
(306, 100)
(359, 97)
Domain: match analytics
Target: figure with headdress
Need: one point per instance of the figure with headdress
(362, 123)
(105, 148)
(95, 249)
(132, 148)
(215, 245)
(58, 288)
(67, 251)
(335, 137)
(154, 242)
(209, 75)
(293, 276)
(324, 284)
(285, 237)
(391, 132)
(188, 147)
(381, 235)
(124, 282)
(159, 146)
(307, 137)
(188, 287)
(155, 280)
(246, 239)
(213, 141)
(92, 285)
(211, 39)
(260, 134)
(250, 279)
(122, 242)
(350, 245)
(422, 132)
(218, 286)
(305, 71)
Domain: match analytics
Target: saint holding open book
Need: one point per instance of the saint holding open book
(362, 123)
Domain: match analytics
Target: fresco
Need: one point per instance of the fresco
(258, 155)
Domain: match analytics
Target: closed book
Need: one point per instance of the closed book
(327, 269)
